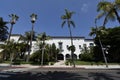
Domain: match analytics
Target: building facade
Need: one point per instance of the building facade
(62, 43)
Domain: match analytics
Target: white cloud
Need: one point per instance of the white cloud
(84, 7)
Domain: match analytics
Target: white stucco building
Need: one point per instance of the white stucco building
(62, 42)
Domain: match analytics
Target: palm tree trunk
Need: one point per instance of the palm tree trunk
(105, 20)
(117, 15)
(101, 43)
(43, 49)
(103, 52)
(11, 59)
(72, 53)
(10, 33)
(11, 56)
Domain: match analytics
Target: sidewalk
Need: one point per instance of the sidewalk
(27, 67)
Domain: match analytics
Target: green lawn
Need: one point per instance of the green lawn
(91, 63)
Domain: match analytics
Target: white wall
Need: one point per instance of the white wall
(77, 41)
(67, 41)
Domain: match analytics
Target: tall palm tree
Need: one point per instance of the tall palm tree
(97, 32)
(109, 10)
(3, 29)
(67, 20)
(14, 18)
(42, 37)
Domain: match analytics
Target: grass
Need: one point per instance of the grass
(84, 63)
(91, 63)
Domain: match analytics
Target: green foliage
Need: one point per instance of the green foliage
(3, 30)
(53, 52)
(15, 49)
(50, 54)
(67, 18)
(72, 48)
(111, 42)
(114, 43)
(87, 54)
(109, 10)
(86, 57)
(36, 57)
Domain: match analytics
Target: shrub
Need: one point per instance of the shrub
(86, 57)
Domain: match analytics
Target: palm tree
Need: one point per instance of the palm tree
(98, 32)
(109, 10)
(42, 37)
(11, 49)
(13, 21)
(27, 38)
(67, 19)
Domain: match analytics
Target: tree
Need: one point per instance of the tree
(53, 52)
(3, 30)
(67, 19)
(99, 32)
(27, 38)
(42, 37)
(109, 10)
(111, 41)
(14, 18)
(21, 49)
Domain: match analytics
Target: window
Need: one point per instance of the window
(79, 46)
(67, 46)
(85, 46)
(91, 44)
(60, 45)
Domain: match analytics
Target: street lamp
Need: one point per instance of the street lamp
(13, 20)
(33, 19)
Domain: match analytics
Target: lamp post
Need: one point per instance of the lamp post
(33, 19)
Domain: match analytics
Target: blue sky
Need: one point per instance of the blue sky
(49, 13)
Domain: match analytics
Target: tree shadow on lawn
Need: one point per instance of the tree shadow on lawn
(102, 76)
(62, 75)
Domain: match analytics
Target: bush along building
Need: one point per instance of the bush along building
(62, 43)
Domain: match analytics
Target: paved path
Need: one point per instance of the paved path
(59, 63)
(6, 67)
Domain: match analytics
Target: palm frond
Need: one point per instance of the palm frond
(69, 14)
(72, 23)
(63, 17)
(63, 23)
(117, 2)
(93, 31)
(100, 15)
(42, 37)
(112, 16)
(104, 6)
